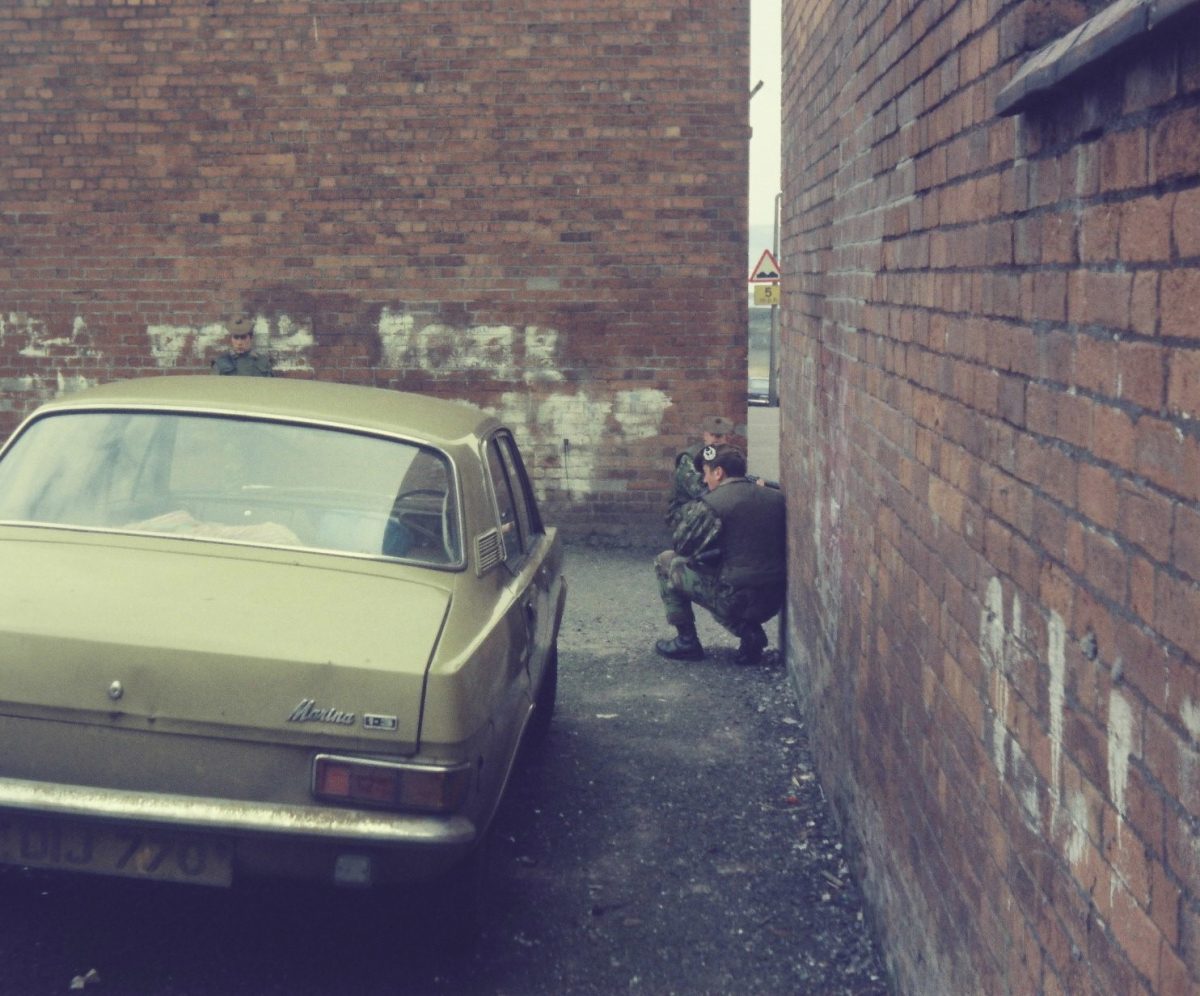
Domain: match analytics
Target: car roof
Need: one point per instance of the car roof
(434, 420)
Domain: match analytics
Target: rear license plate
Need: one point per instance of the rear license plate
(131, 852)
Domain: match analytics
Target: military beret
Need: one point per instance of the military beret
(731, 458)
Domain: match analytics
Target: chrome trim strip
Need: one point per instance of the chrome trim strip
(234, 816)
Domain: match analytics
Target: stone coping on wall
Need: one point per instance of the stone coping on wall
(1119, 23)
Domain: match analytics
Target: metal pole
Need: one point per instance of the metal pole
(772, 376)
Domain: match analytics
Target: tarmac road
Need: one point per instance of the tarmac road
(671, 837)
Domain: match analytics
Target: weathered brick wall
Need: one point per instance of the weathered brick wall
(992, 358)
(539, 207)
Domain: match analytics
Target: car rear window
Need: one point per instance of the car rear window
(234, 480)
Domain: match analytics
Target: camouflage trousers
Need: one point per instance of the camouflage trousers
(681, 585)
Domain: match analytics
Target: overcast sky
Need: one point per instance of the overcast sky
(764, 113)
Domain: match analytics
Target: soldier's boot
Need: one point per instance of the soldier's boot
(753, 643)
(684, 647)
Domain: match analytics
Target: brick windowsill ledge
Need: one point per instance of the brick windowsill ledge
(1117, 24)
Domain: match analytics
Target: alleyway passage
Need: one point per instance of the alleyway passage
(672, 838)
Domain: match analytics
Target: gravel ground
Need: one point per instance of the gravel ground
(673, 836)
(670, 837)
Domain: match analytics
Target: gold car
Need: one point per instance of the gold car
(266, 627)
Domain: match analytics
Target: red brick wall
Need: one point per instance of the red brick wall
(991, 378)
(539, 207)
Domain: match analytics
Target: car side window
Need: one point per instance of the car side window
(510, 528)
(519, 521)
(523, 500)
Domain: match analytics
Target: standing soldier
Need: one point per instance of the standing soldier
(242, 359)
(729, 556)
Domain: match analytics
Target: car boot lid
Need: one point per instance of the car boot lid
(252, 642)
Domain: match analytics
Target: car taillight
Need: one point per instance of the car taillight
(389, 785)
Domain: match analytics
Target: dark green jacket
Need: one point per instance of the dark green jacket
(753, 536)
(251, 364)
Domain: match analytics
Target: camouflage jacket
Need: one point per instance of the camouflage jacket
(696, 533)
(687, 484)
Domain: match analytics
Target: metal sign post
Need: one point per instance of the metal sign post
(765, 278)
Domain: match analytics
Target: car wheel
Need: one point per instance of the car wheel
(460, 901)
(543, 704)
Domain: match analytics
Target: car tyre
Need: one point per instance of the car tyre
(460, 901)
(544, 702)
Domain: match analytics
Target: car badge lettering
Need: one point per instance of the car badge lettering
(386, 723)
(308, 712)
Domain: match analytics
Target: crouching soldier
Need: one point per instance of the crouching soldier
(686, 482)
(729, 556)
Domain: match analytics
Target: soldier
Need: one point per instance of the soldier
(242, 359)
(686, 484)
(729, 556)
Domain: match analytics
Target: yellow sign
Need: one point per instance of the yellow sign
(766, 294)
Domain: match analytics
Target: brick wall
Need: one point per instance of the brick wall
(991, 350)
(539, 207)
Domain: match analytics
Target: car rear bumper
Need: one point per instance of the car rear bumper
(234, 815)
(288, 841)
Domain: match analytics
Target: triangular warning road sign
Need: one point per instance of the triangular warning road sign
(766, 270)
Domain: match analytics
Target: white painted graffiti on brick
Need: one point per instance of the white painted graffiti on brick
(287, 342)
(527, 354)
(1003, 648)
